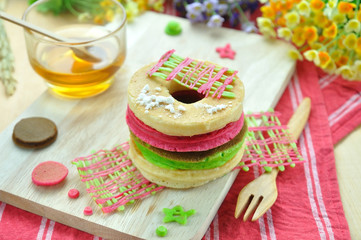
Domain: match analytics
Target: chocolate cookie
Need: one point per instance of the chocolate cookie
(34, 132)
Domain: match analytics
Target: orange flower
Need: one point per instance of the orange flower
(331, 31)
(345, 7)
(359, 15)
(343, 60)
(324, 58)
(275, 5)
(310, 34)
(268, 12)
(287, 5)
(281, 21)
(320, 19)
(317, 5)
(340, 42)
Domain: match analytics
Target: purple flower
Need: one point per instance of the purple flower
(195, 8)
(210, 5)
(215, 21)
(222, 9)
(195, 17)
(249, 27)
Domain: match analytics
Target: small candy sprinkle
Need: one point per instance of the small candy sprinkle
(161, 231)
(173, 28)
(73, 193)
(88, 211)
(177, 214)
(226, 52)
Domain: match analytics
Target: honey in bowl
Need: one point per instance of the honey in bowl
(68, 74)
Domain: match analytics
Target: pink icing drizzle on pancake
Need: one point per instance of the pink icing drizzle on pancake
(202, 142)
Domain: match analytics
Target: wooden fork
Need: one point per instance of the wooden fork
(259, 195)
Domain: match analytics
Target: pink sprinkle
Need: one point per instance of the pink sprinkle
(73, 193)
(226, 52)
(88, 211)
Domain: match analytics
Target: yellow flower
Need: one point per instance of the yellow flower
(346, 72)
(304, 8)
(264, 22)
(339, 18)
(298, 37)
(336, 54)
(295, 54)
(332, 3)
(284, 33)
(358, 45)
(358, 16)
(357, 67)
(331, 31)
(316, 45)
(350, 41)
(352, 26)
(330, 68)
(320, 19)
(311, 55)
(268, 32)
(159, 6)
(292, 19)
(131, 10)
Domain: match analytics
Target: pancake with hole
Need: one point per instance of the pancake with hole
(186, 121)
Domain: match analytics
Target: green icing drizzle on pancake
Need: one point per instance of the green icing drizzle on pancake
(212, 161)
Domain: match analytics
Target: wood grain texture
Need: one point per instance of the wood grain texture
(99, 122)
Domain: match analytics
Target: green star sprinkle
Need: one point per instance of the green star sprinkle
(177, 214)
(161, 231)
(173, 28)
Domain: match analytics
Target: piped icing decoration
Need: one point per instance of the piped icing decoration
(150, 101)
(204, 77)
(269, 143)
(200, 142)
(112, 180)
(177, 214)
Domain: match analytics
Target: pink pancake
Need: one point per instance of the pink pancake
(49, 173)
(202, 142)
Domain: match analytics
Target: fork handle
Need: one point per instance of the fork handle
(299, 119)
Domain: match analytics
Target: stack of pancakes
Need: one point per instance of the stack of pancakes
(180, 138)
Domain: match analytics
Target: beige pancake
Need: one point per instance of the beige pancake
(180, 178)
(188, 119)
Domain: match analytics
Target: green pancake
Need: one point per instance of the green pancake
(191, 160)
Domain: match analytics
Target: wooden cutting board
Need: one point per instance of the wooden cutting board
(99, 122)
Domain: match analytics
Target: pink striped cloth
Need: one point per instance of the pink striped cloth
(308, 205)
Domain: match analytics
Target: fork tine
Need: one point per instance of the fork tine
(251, 207)
(242, 203)
(264, 205)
